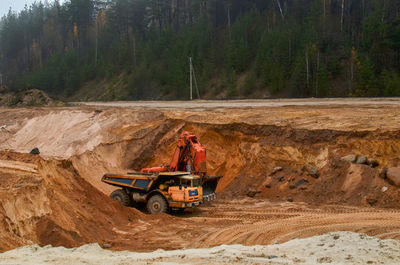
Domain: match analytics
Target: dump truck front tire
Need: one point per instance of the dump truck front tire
(121, 196)
(157, 204)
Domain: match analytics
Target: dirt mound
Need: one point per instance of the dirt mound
(52, 204)
(32, 97)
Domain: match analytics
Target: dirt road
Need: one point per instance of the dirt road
(212, 104)
(258, 222)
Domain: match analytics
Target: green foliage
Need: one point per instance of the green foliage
(367, 85)
(323, 84)
(391, 83)
(229, 81)
(250, 83)
(143, 47)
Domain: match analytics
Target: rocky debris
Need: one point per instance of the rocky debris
(252, 193)
(107, 245)
(276, 169)
(324, 260)
(373, 162)
(383, 173)
(349, 158)
(384, 189)
(393, 176)
(35, 151)
(281, 179)
(268, 182)
(362, 160)
(371, 200)
(290, 199)
(4, 128)
(313, 173)
(301, 182)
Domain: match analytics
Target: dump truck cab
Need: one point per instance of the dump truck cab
(186, 192)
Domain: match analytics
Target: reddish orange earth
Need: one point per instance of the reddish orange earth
(57, 198)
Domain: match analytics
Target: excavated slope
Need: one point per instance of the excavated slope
(47, 202)
(98, 141)
(57, 198)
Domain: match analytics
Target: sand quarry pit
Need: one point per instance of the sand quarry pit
(284, 180)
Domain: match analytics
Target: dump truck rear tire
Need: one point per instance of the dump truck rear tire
(121, 196)
(157, 204)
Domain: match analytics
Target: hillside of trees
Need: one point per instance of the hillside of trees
(140, 49)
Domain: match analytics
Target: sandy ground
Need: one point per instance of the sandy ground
(57, 198)
(331, 248)
(349, 114)
(207, 104)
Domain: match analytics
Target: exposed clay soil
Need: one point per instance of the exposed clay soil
(57, 198)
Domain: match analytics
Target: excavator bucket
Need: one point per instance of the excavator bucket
(209, 185)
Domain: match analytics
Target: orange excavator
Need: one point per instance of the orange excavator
(189, 156)
(182, 184)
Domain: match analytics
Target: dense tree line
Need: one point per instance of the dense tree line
(140, 48)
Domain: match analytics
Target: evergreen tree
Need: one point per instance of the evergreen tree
(140, 49)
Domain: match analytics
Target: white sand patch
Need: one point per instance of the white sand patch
(63, 134)
(331, 248)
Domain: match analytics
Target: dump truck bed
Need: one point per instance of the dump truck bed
(140, 181)
(137, 180)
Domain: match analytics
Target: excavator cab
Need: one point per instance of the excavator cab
(189, 182)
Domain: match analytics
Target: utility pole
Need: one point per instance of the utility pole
(195, 84)
(193, 75)
(191, 78)
(96, 48)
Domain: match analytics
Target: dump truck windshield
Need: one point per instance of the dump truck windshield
(190, 182)
(196, 182)
(186, 182)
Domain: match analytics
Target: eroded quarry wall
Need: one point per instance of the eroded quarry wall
(292, 154)
(97, 141)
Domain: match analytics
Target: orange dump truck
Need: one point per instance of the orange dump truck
(183, 183)
(161, 192)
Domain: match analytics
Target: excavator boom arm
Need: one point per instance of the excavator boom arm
(189, 155)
